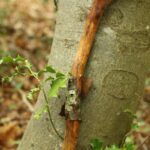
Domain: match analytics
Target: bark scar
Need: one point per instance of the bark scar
(120, 84)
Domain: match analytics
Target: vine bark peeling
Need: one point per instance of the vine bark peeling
(117, 65)
(78, 69)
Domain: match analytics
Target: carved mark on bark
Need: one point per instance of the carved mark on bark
(114, 17)
(120, 84)
(142, 2)
(135, 42)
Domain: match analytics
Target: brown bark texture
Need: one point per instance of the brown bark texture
(80, 62)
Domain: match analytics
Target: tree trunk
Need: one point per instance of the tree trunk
(118, 64)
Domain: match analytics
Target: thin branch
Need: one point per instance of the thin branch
(31, 108)
(145, 140)
(50, 116)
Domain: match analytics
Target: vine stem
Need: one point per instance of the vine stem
(50, 116)
(47, 105)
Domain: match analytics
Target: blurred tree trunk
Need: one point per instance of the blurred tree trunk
(118, 64)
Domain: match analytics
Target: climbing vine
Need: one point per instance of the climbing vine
(20, 66)
(56, 80)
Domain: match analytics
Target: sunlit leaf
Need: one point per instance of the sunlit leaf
(39, 112)
(60, 75)
(55, 86)
(19, 58)
(7, 79)
(6, 59)
(28, 64)
(50, 69)
(49, 79)
(47, 69)
(129, 144)
(32, 92)
(113, 147)
(96, 144)
(1, 61)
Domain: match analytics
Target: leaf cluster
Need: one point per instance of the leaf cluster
(56, 80)
(96, 144)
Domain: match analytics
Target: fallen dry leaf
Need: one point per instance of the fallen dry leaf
(9, 133)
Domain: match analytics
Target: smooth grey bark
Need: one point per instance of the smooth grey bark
(118, 64)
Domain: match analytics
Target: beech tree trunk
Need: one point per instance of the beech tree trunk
(118, 65)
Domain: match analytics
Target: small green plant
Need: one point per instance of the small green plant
(96, 144)
(21, 66)
(128, 144)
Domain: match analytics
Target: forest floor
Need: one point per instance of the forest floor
(27, 29)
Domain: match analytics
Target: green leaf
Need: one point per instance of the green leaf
(56, 85)
(96, 144)
(41, 72)
(135, 126)
(39, 113)
(49, 78)
(30, 95)
(129, 144)
(32, 92)
(1, 61)
(6, 59)
(7, 79)
(113, 147)
(28, 64)
(29, 67)
(19, 58)
(47, 69)
(50, 69)
(60, 75)
(9, 59)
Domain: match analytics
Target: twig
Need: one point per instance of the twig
(147, 138)
(50, 116)
(26, 101)
(78, 68)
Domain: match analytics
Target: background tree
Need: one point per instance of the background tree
(118, 65)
